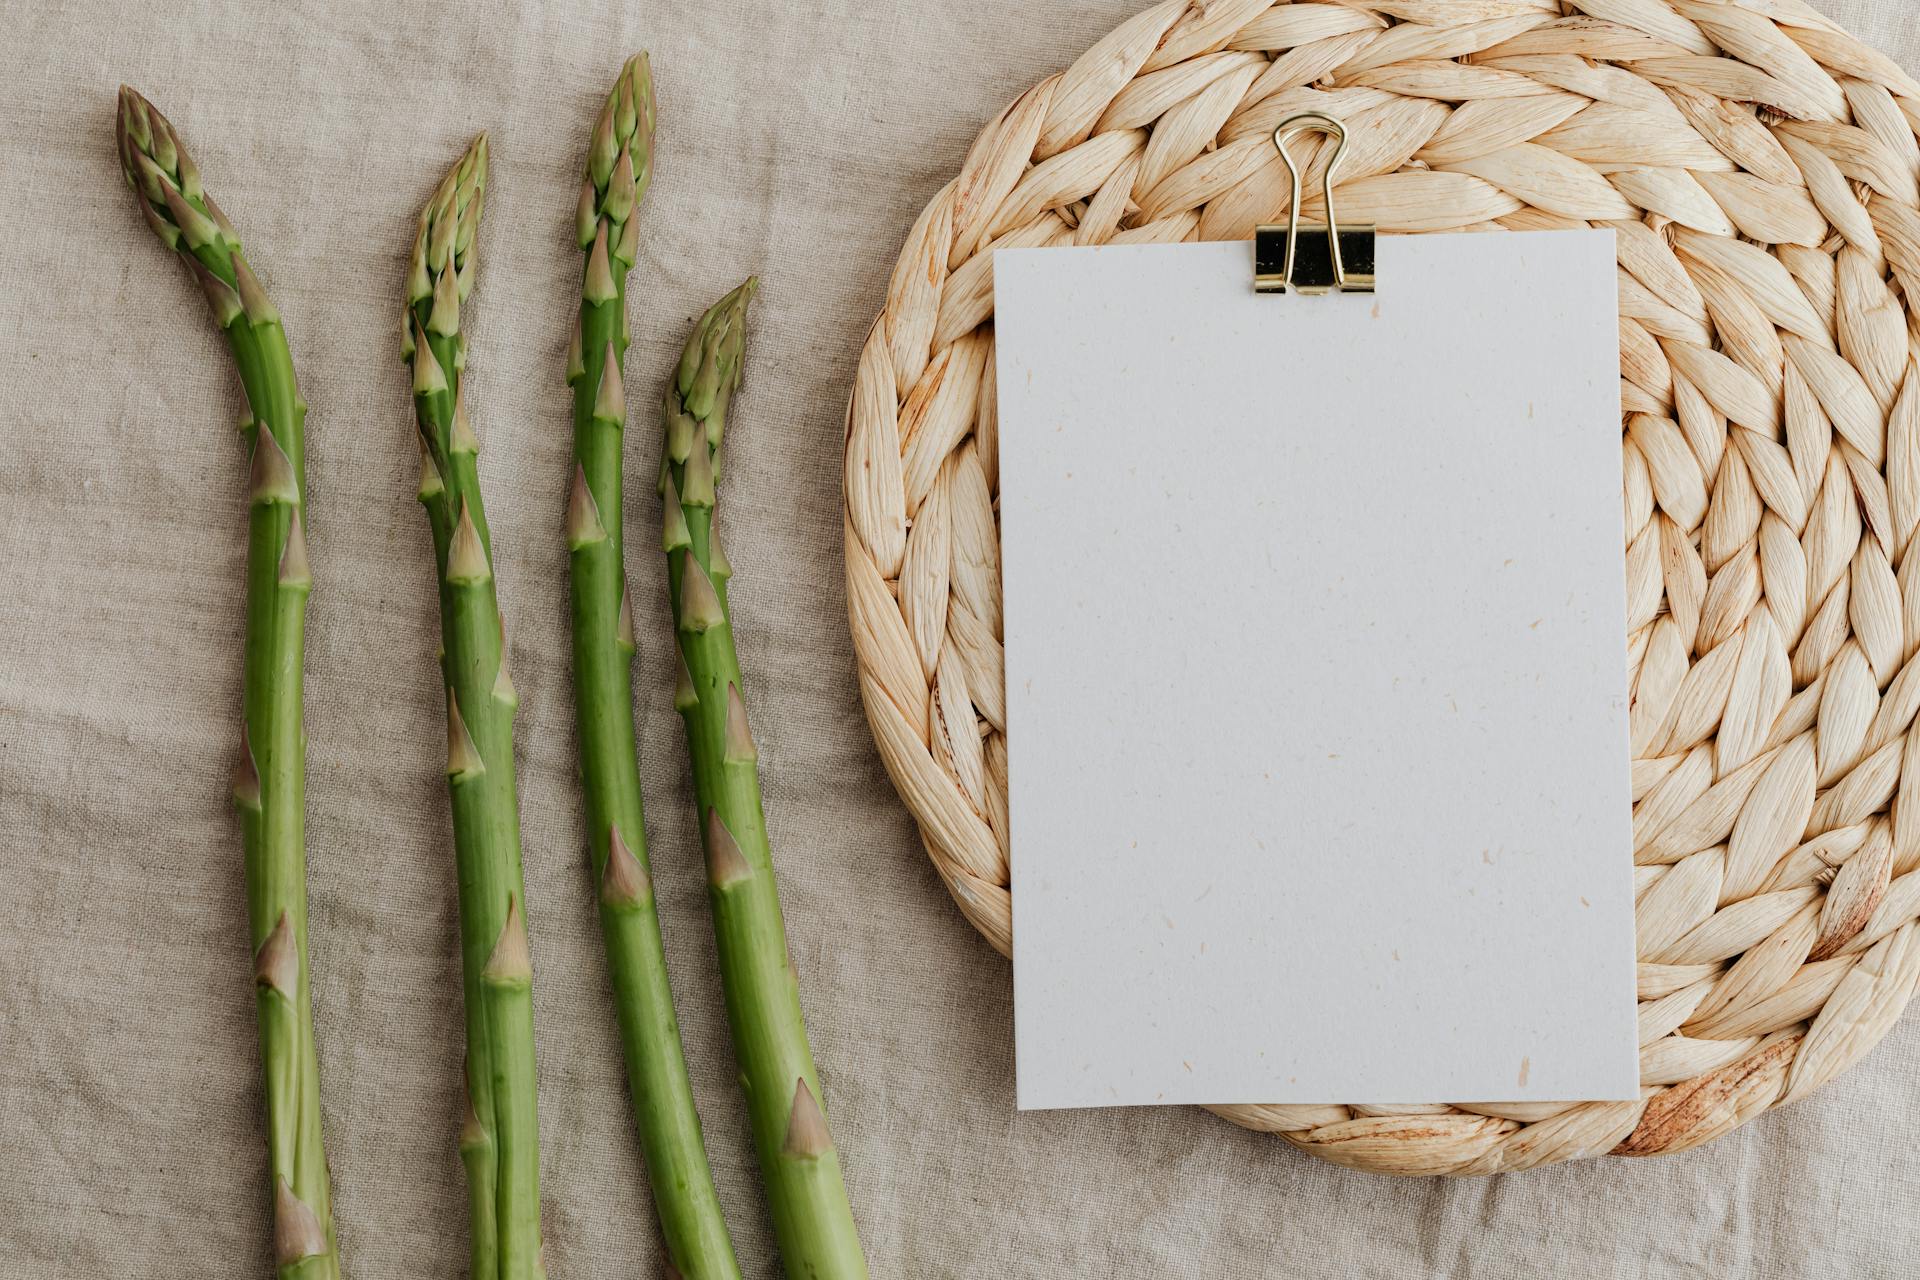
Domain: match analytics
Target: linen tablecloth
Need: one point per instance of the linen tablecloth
(798, 141)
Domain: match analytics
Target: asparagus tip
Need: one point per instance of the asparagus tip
(625, 882)
(807, 1137)
(511, 963)
(726, 865)
(277, 963)
(297, 1232)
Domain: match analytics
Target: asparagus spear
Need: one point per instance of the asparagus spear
(499, 1143)
(618, 166)
(269, 779)
(808, 1201)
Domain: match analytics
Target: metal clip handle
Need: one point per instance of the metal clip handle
(1358, 239)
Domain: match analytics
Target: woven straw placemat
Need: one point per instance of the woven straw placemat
(1759, 166)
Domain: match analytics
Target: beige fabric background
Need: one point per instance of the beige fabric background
(797, 140)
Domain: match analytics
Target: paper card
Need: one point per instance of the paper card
(1316, 691)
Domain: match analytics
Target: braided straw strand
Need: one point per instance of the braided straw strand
(1761, 170)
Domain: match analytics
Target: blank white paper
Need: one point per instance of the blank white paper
(1316, 691)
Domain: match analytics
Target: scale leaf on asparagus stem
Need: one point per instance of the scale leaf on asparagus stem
(269, 782)
(618, 165)
(799, 1164)
(499, 1140)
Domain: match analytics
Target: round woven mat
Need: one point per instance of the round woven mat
(1760, 168)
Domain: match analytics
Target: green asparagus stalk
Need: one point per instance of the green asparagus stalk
(499, 1142)
(619, 162)
(807, 1199)
(269, 779)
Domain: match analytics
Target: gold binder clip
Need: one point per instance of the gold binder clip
(1312, 258)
